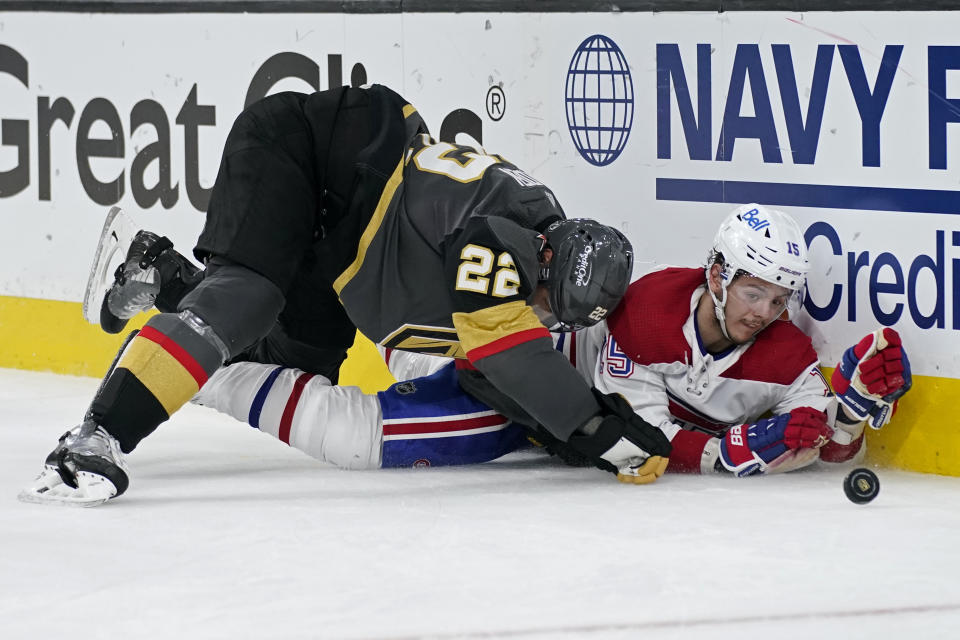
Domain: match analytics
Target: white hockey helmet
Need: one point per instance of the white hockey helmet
(764, 243)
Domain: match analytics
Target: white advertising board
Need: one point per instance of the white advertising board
(657, 123)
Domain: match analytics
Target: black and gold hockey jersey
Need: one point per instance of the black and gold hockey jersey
(445, 263)
(430, 247)
(450, 255)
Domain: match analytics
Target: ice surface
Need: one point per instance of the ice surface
(227, 533)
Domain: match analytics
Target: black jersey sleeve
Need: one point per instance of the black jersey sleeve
(493, 265)
(490, 262)
(535, 378)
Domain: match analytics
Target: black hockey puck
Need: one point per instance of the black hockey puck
(861, 486)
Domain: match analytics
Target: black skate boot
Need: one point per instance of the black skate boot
(153, 274)
(85, 469)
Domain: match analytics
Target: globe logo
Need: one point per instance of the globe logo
(599, 100)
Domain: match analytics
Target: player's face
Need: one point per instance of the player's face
(540, 301)
(752, 304)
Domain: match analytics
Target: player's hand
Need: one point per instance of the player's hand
(872, 375)
(777, 443)
(623, 442)
(645, 473)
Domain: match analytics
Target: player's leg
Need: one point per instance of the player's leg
(431, 421)
(264, 208)
(428, 421)
(313, 331)
(335, 424)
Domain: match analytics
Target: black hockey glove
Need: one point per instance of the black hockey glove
(556, 447)
(622, 442)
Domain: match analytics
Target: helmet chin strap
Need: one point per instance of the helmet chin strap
(720, 305)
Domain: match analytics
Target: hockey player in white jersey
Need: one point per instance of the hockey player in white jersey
(713, 360)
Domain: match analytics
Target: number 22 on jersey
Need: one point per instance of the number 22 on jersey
(475, 271)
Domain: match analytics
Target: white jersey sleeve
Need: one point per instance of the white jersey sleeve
(588, 346)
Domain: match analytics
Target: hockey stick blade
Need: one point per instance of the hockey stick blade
(115, 238)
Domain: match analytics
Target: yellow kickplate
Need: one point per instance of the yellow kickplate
(49, 335)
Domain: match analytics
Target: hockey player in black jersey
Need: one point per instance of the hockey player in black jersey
(336, 211)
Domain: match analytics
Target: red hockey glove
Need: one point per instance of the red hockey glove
(872, 375)
(761, 447)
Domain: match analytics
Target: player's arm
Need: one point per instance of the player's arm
(645, 388)
(792, 437)
(494, 266)
(789, 439)
(785, 442)
(782, 443)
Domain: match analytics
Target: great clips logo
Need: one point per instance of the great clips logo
(190, 123)
(96, 130)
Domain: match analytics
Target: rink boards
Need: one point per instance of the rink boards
(654, 122)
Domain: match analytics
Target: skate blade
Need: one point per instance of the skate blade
(49, 489)
(115, 238)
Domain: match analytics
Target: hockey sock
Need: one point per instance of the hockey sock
(158, 372)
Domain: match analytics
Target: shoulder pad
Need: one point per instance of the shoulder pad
(779, 355)
(648, 322)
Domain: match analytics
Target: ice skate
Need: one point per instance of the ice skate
(115, 238)
(151, 273)
(85, 469)
(136, 283)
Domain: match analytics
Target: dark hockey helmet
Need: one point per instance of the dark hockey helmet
(589, 273)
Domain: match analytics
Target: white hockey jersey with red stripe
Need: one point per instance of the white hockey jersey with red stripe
(649, 350)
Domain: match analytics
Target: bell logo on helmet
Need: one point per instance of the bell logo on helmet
(597, 314)
(583, 267)
(752, 218)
